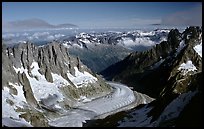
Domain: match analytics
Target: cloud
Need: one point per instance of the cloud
(139, 21)
(191, 17)
(119, 23)
(32, 24)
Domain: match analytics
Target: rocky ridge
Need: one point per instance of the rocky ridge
(29, 70)
(171, 72)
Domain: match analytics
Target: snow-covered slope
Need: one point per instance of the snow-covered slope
(137, 40)
(140, 117)
(130, 39)
(198, 49)
(44, 79)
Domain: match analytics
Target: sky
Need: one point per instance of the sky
(106, 14)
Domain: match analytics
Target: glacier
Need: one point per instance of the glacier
(120, 97)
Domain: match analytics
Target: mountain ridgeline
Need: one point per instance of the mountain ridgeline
(47, 86)
(35, 78)
(149, 71)
(171, 72)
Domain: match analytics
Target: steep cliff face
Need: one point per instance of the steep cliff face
(171, 72)
(149, 71)
(39, 79)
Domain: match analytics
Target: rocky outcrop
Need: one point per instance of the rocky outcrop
(157, 73)
(28, 93)
(138, 69)
(137, 62)
(40, 70)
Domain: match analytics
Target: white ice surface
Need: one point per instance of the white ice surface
(81, 79)
(186, 67)
(198, 49)
(6, 121)
(120, 97)
(41, 87)
(176, 106)
(10, 117)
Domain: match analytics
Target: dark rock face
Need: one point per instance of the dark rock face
(165, 82)
(102, 49)
(48, 75)
(137, 67)
(99, 57)
(27, 90)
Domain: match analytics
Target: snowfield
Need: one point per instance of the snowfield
(81, 79)
(139, 117)
(187, 67)
(9, 115)
(41, 87)
(120, 97)
(198, 49)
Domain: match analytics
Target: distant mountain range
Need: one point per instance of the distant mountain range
(33, 24)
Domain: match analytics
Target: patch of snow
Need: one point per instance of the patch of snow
(176, 106)
(66, 45)
(198, 49)
(180, 47)
(7, 109)
(84, 40)
(84, 99)
(41, 87)
(138, 118)
(10, 122)
(81, 79)
(59, 81)
(188, 36)
(19, 98)
(186, 67)
(150, 33)
(22, 41)
(10, 117)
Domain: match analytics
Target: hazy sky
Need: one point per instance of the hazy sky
(106, 14)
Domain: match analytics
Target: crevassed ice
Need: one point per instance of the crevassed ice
(120, 97)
